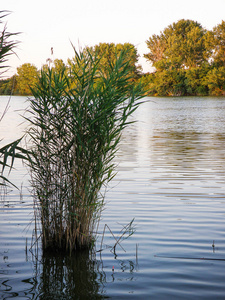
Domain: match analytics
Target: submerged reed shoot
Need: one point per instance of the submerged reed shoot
(78, 114)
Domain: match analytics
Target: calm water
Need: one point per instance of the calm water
(171, 179)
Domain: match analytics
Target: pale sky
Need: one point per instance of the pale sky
(50, 23)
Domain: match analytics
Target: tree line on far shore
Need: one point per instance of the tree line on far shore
(187, 60)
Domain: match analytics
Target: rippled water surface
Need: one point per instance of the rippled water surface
(171, 179)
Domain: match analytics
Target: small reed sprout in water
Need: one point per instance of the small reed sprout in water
(77, 117)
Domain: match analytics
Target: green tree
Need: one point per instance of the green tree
(108, 53)
(170, 83)
(182, 56)
(59, 65)
(27, 78)
(195, 80)
(157, 45)
(218, 41)
(215, 81)
(9, 86)
(181, 45)
(147, 82)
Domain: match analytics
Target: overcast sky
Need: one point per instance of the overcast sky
(50, 23)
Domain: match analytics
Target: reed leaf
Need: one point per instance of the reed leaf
(12, 150)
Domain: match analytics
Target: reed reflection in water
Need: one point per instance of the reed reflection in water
(27, 274)
(69, 277)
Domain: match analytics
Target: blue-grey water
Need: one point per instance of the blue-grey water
(170, 178)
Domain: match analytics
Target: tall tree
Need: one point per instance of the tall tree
(59, 65)
(215, 81)
(218, 35)
(181, 46)
(157, 46)
(27, 78)
(108, 53)
(9, 86)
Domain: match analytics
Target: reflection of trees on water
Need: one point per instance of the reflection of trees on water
(187, 148)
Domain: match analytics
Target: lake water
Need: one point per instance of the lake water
(171, 179)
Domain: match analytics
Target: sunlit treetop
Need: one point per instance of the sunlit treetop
(180, 45)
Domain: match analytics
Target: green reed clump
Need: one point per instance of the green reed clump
(8, 152)
(78, 114)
